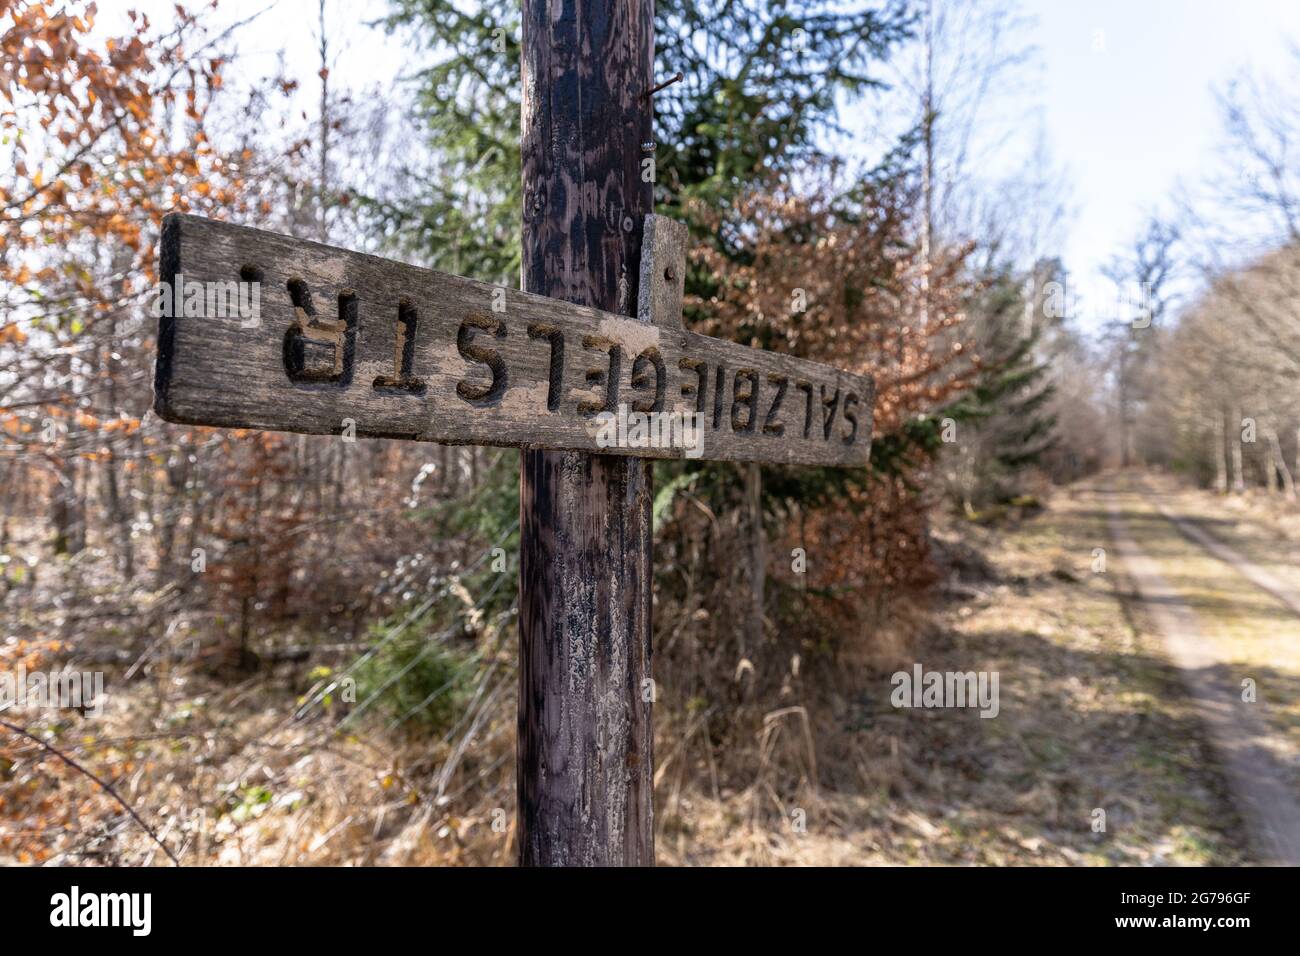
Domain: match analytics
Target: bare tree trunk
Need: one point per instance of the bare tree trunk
(66, 509)
(1277, 467)
(927, 167)
(120, 516)
(322, 182)
(177, 472)
(1124, 458)
(1220, 454)
(1238, 476)
(119, 513)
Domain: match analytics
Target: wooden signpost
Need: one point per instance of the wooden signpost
(349, 341)
(588, 371)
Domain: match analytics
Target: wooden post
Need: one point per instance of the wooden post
(338, 342)
(585, 767)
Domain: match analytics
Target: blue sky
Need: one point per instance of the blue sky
(1124, 90)
(1136, 117)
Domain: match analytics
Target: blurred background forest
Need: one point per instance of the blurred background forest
(310, 642)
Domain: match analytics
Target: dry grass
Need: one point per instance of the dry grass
(817, 768)
(1092, 716)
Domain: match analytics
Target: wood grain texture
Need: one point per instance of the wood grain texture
(585, 746)
(404, 352)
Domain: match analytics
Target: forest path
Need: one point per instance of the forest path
(1191, 591)
(1250, 570)
(1098, 756)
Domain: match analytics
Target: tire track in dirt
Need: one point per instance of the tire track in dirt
(1267, 805)
(1248, 569)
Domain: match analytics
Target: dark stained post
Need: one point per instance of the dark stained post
(585, 738)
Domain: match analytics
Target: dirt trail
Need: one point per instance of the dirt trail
(1248, 569)
(1269, 808)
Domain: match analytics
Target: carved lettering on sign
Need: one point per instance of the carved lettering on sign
(748, 402)
(404, 356)
(648, 362)
(482, 394)
(851, 415)
(719, 394)
(440, 364)
(606, 376)
(555, 385)
(829, 407)
(317, 349)
(771, 425)
(807, 389)
(698, 388)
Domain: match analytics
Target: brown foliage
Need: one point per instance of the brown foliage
(798, 269)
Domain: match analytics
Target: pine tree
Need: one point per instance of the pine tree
(1005, 423)
(761, 81)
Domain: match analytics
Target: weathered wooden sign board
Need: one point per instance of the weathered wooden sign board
(343, 340)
